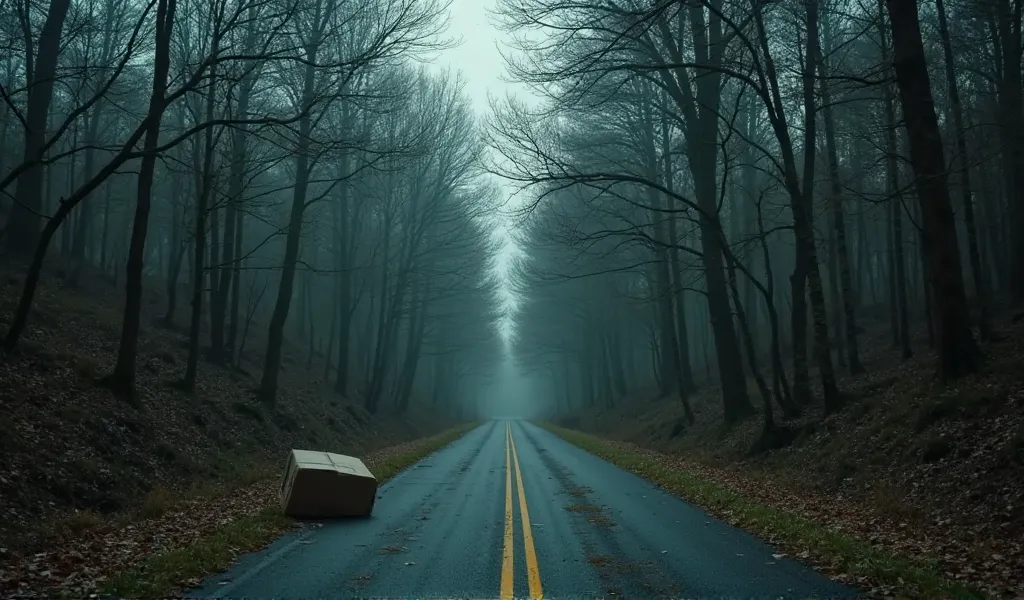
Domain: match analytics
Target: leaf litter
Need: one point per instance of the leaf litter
(924, 470)
(91, 486)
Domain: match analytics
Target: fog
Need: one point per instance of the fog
(500, 209)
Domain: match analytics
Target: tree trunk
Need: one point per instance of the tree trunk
(122, 380)
(670, 359)
(174, 268)
(202, 204)
(376, 374)
(768, 418)
(23, 226)
(958, 352)
(275, 334)
(834, 296)
(783, 395)
(105, 235)
(413, 346)
(805, 231)
(699, 108)
(685, 370)
(83, 229)
(236, 277)
(1011, 115)
(615, 369)
(849, 324)
(67, 240)
(806, 273)
(980, 280)
(213, 259)
(344, 315)
(344, 244)
(307, 284)
(220, 350)
(897, 262)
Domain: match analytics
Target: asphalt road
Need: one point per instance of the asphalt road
(511, 510)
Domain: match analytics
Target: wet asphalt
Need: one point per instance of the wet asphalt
(440, 530)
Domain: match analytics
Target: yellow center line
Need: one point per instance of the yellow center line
(532, 570)
(506, 557)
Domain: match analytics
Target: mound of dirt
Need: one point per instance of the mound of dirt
(74, 454)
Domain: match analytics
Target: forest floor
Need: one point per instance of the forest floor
(925, 470)
(98, 477)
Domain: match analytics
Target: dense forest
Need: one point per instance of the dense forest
(727, 192)
(768, 249)
(289, 163)
(227, 229)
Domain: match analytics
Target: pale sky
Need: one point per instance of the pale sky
(483, 68)
(477, 57)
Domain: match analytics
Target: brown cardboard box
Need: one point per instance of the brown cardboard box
(318, 485)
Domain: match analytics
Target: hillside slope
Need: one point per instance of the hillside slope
(934, 470)
(73, 453)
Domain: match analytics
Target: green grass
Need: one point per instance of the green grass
(161, 574)
(393, 464)
(904, 576)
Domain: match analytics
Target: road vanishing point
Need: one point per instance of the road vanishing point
(510, 510)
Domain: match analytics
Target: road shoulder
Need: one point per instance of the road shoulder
(878, 571)
(205, 536)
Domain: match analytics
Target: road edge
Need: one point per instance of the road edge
(841, 556)
(164, 573)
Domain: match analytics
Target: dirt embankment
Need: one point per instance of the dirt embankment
(74, 456)
(935, 469)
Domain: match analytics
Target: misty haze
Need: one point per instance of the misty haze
(512, 299)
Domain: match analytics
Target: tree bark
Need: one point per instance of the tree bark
(849, 324)
(686, 383)
(699, 108)
(23, 227)
(236, 278)
(806, 273)
(202, 203)
(980, 279)
(220, 349)
(122, 380)
(958, 352)
(897, 262)
(1011, 109)
(275, 333)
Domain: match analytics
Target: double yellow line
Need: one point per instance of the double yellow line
(507, 560)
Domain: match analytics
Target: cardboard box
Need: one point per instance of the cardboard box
(319, 485)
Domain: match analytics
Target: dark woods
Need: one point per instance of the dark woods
(284, 165)
(731, 191)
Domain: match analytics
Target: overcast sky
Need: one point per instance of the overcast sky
(483, 68)
(477, 57)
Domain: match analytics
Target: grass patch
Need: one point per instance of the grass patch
(161, 574)
(158, 501)
(905, 576)
(390, 466)
(81, 521)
